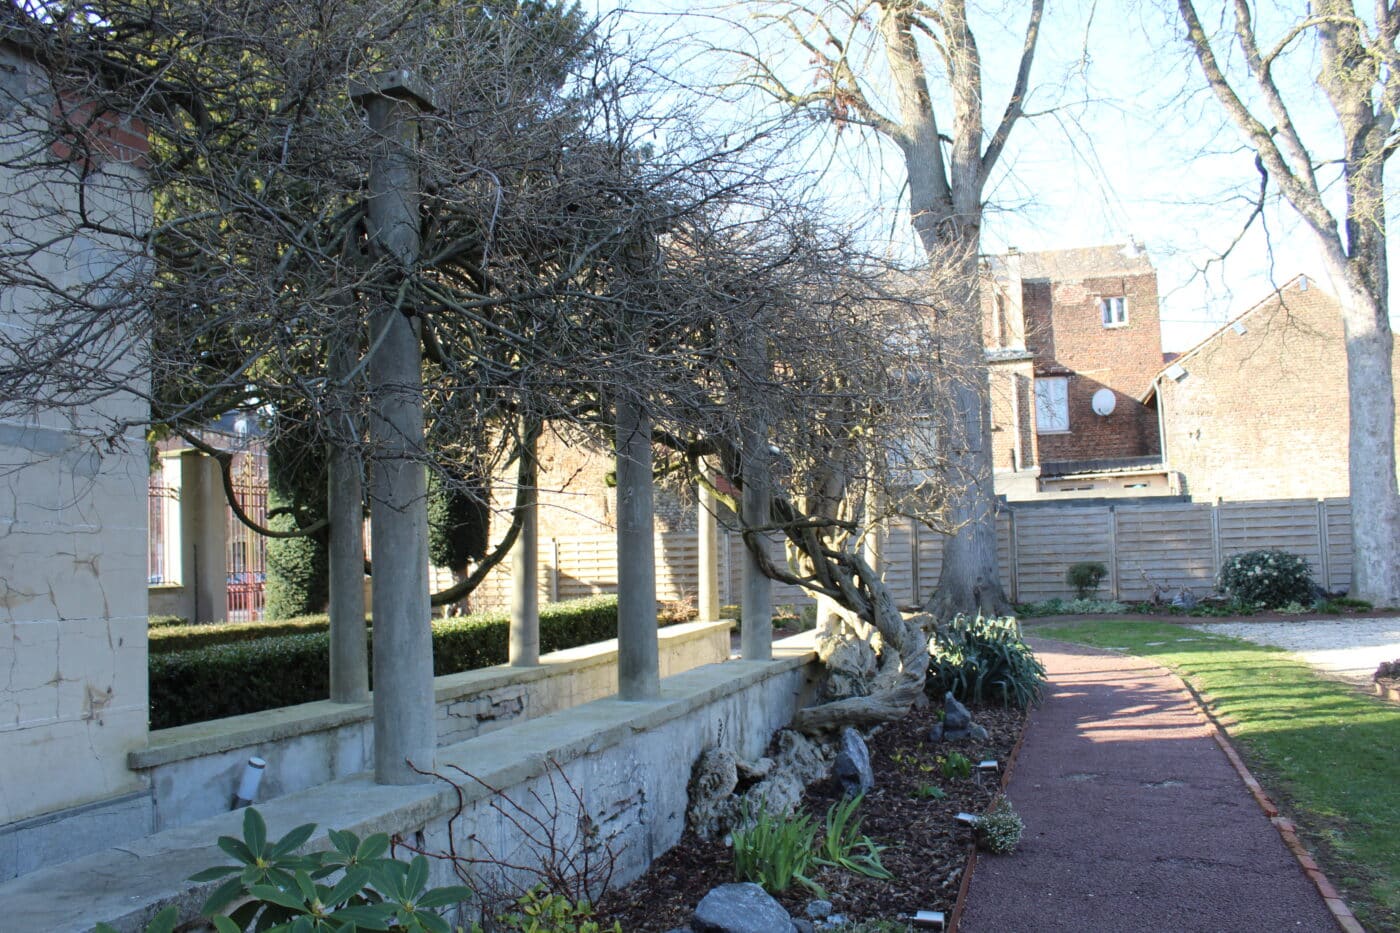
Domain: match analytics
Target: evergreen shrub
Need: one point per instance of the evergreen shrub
(215, 680)
(1267, 578)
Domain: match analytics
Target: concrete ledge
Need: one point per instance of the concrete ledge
(234, 732)
(632, 759)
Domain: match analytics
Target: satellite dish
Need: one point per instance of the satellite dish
(1104, 402)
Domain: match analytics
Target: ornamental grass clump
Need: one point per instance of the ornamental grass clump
(982, 660)
(1267, 578)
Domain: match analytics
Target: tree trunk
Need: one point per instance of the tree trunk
(1375, 501)
(969, 581)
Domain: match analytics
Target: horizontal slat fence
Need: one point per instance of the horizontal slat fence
(1174, 544)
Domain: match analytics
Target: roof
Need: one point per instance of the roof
(1085, 262)
(1115, 466)
(1300, 282)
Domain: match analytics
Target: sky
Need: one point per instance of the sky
(1126, 143)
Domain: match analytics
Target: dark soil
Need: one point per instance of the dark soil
(926, 850)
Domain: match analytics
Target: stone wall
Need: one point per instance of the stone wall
(194, 769)
(73, 503)
(630, 761)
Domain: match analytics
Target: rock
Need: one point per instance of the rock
(818, 909)
(740, 908)
(803, 926)
(955, 715)
(936, 733)
(711, 792)
(979, 732)
(852, 766)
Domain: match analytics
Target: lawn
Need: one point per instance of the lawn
(1327, 754)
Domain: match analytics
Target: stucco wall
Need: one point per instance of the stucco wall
(73, 501)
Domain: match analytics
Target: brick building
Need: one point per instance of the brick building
(1073, 340)
(1258, 410)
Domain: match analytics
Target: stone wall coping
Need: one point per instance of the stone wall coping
(127, 885)
(198, 739)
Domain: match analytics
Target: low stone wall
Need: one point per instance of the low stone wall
(194, 769)
(630, 762)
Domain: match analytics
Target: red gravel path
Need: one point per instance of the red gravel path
(1135, 819)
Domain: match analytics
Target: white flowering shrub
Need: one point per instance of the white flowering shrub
(1267, 578)
(1000, 828)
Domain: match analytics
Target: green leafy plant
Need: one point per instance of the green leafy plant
(1268, 578)
(1075, 607)
(1086, 576)
(931, 792)
(955, 765)
(1000, 828)
(272, 887)
(538, 911)
(773, 851)
(980, 660)
(843, 845)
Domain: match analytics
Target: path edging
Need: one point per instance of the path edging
(965, 884)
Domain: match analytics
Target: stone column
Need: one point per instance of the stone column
(756, 613)
(203, 538)
(525, 573)
(708, 561)
(404, 726)
(874, 543)
(638, 664)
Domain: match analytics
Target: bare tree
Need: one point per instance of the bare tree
(1360, 76)
(949, 157)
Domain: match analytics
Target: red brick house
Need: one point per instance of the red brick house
(1073, 340)
(1258, 410)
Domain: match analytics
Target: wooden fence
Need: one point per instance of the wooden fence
(1174, 543)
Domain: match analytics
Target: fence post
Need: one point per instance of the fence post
(1326, 568)
(1014, 556)
(1215, 548)
(554, 570)
(1113, 551)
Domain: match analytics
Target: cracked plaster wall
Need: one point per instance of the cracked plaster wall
(72, 503)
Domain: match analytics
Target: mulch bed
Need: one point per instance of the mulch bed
(926, 850)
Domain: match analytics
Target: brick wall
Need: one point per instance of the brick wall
(1065, 330)
(1263, 414)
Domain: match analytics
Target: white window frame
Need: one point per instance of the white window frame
(1113, 311)
(1051, 413)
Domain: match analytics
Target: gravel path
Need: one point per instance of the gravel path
(1349, 649)
(1135, 820)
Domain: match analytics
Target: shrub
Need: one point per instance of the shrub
(1076, 607)
(182, 636)
(999, 830)
(1268, 578)
(955, 765)
(298, 571)
(981, 659)
(1085, 577)
(773, 851)
(538, 911)
(160, 622)
(229, 679)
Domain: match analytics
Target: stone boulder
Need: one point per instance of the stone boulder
(852, 766)
(740, 908)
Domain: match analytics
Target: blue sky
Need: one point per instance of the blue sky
(1128, 144)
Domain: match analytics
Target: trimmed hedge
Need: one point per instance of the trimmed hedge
(181, 636)
(259, 673)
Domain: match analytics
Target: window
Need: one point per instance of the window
(1051, 404)
(1114, 311)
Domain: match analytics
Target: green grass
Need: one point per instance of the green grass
(1326, 753)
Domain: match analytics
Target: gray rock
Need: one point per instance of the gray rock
(740, 908)
(936, 733)
(803, 926)
(955, 715)
(979, 732)
(852, 766)
(818, 909)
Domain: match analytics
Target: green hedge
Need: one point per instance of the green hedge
(182, 637)
(258, 673)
